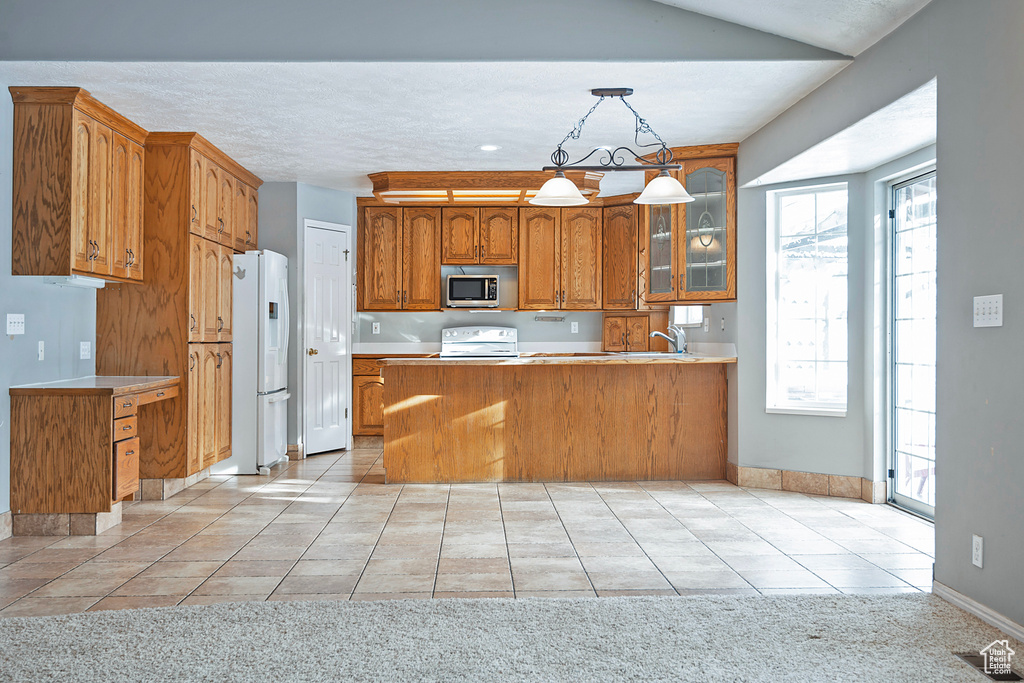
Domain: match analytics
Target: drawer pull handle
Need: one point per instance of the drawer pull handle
(159, 394)
(129, 453)
(126, 404)
(126, 428)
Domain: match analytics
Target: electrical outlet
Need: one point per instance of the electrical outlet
(375, 328)
(707, 324)
(723, 324)
(42, 350)
(988, 311)
(977, 551)
(574, 327)
(15, 323)
(85, 350)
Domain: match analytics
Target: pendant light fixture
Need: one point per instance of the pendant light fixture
(663, 189)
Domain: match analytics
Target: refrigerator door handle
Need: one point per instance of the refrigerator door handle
(277, 398)
(287, 318)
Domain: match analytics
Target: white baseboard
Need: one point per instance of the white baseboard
(986, 614)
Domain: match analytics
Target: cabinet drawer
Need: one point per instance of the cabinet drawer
(125, 428)
(365, 366)
(157, 395)
(125, 405)
(126, 468)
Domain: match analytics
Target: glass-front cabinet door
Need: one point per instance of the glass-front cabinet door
(707, 249)
(660, 243)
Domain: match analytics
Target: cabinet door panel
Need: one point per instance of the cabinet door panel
(368, 406)
(197, 193)
(208, 406)
(619, 257)
(539, 258)
(225, 284)
(211, 291)
(240, 216)
(658, 234)
(253, 217)
(707, 227)
(459, 229)
(381, 256)
(81, 246)
(581, 259)
(614, 333)
(119, 192)
(421, 258)
(193, 454)
(134, 212)
(196, 293)
(100, 227)
(636, 333)
(225, 234)
(211, 200)
(499, 236)
(223, 401)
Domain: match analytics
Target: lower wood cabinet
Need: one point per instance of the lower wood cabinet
(209, 410)
(367, 406)
(631, 332)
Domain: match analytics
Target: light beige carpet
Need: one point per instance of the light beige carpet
(706, 638)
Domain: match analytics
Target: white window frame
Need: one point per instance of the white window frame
(813, 408)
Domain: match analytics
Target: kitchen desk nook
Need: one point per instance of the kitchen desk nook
(613, 417)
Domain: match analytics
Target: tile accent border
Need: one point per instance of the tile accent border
(834, 485)
(986, 614)
(6, 525)
(294, 452)
(162, 489)
(367, 442)
(63, 523)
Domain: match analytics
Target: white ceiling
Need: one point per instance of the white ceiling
(906, 125)
(330, 124)
(846, 26)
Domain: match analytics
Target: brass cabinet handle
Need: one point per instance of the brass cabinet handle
(312, 352)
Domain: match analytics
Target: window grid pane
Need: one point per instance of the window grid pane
(809, 305)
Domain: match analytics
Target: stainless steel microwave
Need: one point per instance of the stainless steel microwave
(472, 291)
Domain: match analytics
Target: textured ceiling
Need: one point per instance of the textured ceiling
(906, 125)
(330, 124)
(846, 26)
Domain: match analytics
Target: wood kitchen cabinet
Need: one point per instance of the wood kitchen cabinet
(560, 258)
(179, 321)
(368, 394)
(400, 259)
(619, 257)
(77, 185)
(689, 250)
(626, 333)
(484, 235)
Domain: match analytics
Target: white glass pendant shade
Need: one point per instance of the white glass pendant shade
(664, 189)
(559, 191)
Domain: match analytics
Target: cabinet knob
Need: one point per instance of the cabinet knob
(312, 352)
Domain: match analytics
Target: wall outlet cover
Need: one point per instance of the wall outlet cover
(977, 551)
(15, 323)
(42, 350)
(707, 324)
(85, 350)
(574, 327)
(988, 311)
(375, 328)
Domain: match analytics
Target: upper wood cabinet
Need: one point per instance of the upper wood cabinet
(484, 235)
(77, 181)
(225, 289)
(240, 218)
(560, 258)
(689, 250)
(400, 259)
(197, 293)
(619, 276)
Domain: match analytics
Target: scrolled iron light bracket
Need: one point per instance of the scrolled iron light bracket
(614, 159)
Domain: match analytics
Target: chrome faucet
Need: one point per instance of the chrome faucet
(679, 343)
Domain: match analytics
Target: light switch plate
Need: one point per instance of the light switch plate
(988, 311)
(574, 327)
(375, 328)
(977, 551)
(15, 323)
(85, 350)
(42, 349)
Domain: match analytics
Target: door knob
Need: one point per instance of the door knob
(312, 352)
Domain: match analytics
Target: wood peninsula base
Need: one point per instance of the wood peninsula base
(533, 420)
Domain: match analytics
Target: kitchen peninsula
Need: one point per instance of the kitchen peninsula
(614, 417)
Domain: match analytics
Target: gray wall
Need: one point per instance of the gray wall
(426, 326)
(283, 208)
(974, 51)
(61, 317)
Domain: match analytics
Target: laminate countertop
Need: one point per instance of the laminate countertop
(96, 385)
(592, 359)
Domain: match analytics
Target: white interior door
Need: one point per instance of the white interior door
(327, 339)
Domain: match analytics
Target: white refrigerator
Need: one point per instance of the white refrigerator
(259, 391)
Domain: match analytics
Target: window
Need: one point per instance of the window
(687, 316)
(807, 300)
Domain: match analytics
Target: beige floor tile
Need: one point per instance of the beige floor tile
(159, 585)
(664, 592)
(11, 587)
(691, 564)
(217, 599)
(617, 564)
(473, 595)
(523, 550)
(400, 566)
(799, 591)
(899, 560)
(104, 570)
(690, 549)
(915, 577)
(879, 590)
(337, 552)
(254, 568)
(389, 596)
(489, 550)
(713, 579)
(199, 554)
(556, 594)
(760, 578)
(62, 555)
(45, 570)
(601, 549)
(328, 568)
(396, 583)
(318, 584)
(528, 565)
(394, 552)
(550, 581)
(181, 569)
(746, 592)
(473, 582)
(136, 602)
(861, 578)
(479, 565)
(308, 597)
(768, 562)
(238, 585)
(66, 587)
(635, 580)
(44, 607)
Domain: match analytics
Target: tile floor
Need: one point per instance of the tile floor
(328, 528)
